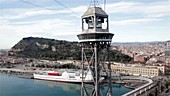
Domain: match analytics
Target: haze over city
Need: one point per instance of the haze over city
(130, 20)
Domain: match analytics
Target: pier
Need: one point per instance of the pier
(16, 70)
(19, 72)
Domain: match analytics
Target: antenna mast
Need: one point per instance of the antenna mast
(104, 5)
(94, 3)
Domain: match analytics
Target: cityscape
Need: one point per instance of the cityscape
(99, 62)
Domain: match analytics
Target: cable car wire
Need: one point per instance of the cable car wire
(36, 5)
(66, 7)
(77, 16)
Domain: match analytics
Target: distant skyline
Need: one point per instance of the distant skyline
(130, 20)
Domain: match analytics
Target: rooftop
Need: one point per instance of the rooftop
(94, 10)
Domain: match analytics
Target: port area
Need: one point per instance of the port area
(28, 74)
(140, 85)
(21, 73)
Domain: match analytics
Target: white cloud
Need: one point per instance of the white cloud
(3, 22)
(49, 27)
(5, 0)
(132, 21)
(19, 13)
(79, 9)
(153, 9)
(2, 0)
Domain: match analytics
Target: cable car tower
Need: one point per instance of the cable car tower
(95, 40)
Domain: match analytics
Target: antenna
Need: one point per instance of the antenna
(104, 5)
(94, 3)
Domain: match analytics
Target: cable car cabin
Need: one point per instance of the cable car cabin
(95, 20)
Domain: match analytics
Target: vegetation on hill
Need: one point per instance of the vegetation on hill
(51, 49)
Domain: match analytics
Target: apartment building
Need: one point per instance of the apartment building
(138, 70)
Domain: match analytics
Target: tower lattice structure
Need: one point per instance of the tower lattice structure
(95, 40)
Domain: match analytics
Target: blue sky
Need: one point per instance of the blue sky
(130, 20)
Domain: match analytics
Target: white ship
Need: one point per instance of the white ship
(67, 76)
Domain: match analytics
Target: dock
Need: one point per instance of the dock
(16, 70)
(26, 76)
(21, 73)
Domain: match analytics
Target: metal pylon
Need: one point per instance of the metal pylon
(96, 60)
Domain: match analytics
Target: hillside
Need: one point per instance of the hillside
(51, 49)
(44, 48)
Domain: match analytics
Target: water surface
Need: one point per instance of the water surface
(14, 86)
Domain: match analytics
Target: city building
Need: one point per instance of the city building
(138, 70)
(140, 58)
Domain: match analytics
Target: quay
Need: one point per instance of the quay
(26, 76)
(19, 72)
(16, 70)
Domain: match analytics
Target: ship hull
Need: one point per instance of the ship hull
(59, 79)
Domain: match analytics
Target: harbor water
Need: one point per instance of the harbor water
(14, 86)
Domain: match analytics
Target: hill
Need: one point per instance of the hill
(43, 48)
(51, 49)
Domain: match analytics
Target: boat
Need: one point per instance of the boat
(70, 76)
